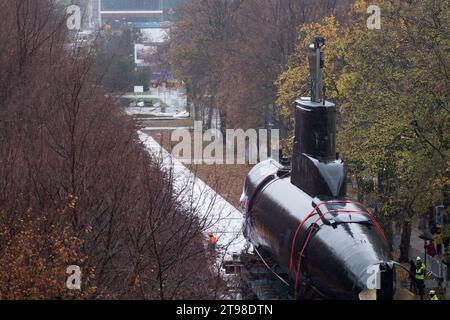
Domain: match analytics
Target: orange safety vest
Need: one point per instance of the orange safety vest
(212, 240)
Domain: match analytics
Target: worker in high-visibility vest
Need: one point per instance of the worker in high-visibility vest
(420, 276)
(433, 295)
(212, 243)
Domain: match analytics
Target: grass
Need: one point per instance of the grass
(226, 179)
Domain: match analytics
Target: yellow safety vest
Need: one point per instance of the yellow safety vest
(420, 272)
(435, 297)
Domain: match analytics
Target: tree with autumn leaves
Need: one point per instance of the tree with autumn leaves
(229, 54)
(392, 86)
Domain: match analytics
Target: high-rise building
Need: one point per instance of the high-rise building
(117, 13)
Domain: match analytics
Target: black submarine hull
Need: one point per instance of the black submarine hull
(340, 241)
(299, 215)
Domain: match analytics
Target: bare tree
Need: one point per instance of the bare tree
(76, 185)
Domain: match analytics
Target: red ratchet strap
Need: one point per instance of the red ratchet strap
(366, 212)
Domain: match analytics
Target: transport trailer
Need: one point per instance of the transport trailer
(261, 278)
(298, 215)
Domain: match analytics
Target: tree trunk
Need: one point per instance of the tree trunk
(405, 240)
(223, 123)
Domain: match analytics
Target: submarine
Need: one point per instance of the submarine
(297, 214)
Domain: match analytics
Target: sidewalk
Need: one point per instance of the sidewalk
(417, 243)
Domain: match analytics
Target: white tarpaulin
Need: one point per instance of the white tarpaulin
(226, 220)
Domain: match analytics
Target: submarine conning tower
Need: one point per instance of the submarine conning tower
(316, 168)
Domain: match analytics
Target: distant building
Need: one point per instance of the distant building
(118, 13)
(150, 51)
(152, 18)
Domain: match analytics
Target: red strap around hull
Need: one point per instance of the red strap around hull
(291, 262)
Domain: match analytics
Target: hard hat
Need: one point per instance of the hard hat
(432, 292)
(419, 258)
